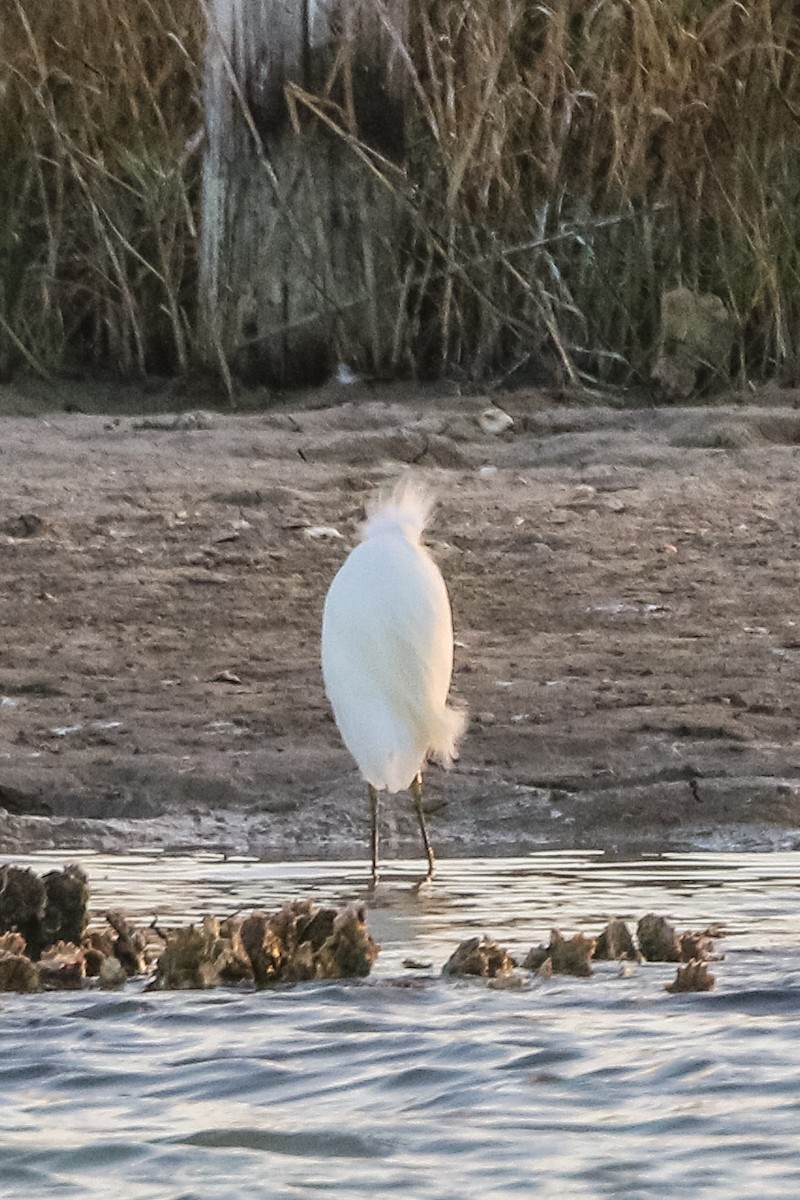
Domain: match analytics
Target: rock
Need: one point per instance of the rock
(62, 967)
(23, 900)
(130, 944)
(200, 957)
(494, 420)
(263, 952)
(112, 974)
(615, 942)
(511, 982)
(657, 939)
(194, 420)
(302, 942)
(567, 956)
(236, 966)
(20, 803)
(44, 911)
(696, 946)
(66, 912)
(18, 974)
(12, 943)
(26, 525)
(479, 956)
(349, 951)
(694, 977)
(695, 342)
(97, 946)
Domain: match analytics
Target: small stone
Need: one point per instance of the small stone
(226, 677)
(18, 974)
(129, 945)
(479, 956)
(62, 968)
(322, 532)
(695, 342)
(303, 941)
(197, 957)
(97, 946)
(695, 946)
(657, 939)
(12, 943)
(693, 977)
(615, 942)
(193, 420)
(67, 908)
(23, 899)
(26, 525)
(567, 956)
(494, 420)
(511, 982)
(112, 974)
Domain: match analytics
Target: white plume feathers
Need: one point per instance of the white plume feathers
(406, 510)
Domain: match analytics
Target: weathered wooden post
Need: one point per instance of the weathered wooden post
(298, 243)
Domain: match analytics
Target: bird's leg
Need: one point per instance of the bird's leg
(416, 795)
(373, 812)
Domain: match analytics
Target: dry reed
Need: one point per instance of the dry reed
(99, 134)
(562, 165)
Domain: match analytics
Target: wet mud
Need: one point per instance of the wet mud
(624, 586)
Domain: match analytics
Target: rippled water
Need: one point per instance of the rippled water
(439, 1088)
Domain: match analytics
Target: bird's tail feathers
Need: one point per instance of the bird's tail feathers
(405, 511)
(447, 732)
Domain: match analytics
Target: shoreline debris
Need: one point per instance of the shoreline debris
(479, 956)
(44, 909)
(563, 956)
(693, 977)
(615, 943)
(46, 945)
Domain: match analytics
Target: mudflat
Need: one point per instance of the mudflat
(626, 596)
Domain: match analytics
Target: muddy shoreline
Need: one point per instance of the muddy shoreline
(625, 591)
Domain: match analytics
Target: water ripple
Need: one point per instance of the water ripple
(317, 1143)
(607, 1087)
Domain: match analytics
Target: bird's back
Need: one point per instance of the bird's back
(387, 653)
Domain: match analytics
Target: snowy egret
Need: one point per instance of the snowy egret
(387, 655)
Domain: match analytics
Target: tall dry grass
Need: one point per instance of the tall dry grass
(563, 163)
(570, 161)
(100, 124)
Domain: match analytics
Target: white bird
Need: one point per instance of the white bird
(387, 655)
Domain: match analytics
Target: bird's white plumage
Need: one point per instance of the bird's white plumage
(387, 648)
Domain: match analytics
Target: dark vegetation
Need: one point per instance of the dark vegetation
(559, 168)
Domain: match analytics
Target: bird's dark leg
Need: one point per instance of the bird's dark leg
(416, 796)
(373, 812)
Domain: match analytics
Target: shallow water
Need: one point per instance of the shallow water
(439, 1088)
